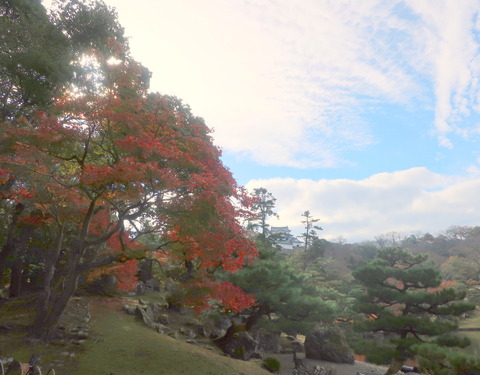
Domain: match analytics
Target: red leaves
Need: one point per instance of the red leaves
(125, 272)
(226, 296)
(125, 161)
(232, 297)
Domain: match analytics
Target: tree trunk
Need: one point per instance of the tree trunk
(51, 303)
(145, 273)
(51, 306)
(10, 243)
(16, 278)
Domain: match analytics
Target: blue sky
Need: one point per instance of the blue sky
(364, 112)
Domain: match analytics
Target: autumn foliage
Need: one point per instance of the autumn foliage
(110, 168)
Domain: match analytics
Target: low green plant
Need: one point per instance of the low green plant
(271, 364)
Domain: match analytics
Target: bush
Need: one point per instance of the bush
(271, 364)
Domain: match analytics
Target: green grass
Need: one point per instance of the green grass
(122, 345)
(471, 322)
(119, 344)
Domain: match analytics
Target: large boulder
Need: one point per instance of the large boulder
(289, 344)
(237, 342)
(328, 345)
(241, 346)
(268, 342)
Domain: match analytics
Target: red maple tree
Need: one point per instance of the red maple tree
(111, 167)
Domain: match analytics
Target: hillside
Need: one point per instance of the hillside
(117, 344)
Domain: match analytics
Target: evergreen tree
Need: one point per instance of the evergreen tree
(262, 208)
(34, 59)
(404, 298)
(42, 55)
(282, 291)
(310, 234)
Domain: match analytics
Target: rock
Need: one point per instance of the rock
(406, 369)
(152, 314)
(298, 346)
(140, 288)
(328, 345)
(316, 370)
(156, 313)
(152, 311)
(241, 345)
(267, 341)
(162, 318)
(82, 335)
(141, 302)
(142, 314)
(153, 284)
(197, 327)
(290, 344)
(223, 323)
(200, 330)
(217, 333)
(130, 310)
(161, 329)
(187, 332)
(256, 355)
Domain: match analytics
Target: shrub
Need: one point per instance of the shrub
(271, 364)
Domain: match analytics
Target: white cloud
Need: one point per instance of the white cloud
(279, 81)
(449, 35)
(405, 201)
(289, 83)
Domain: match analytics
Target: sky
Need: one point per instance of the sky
(365, 112)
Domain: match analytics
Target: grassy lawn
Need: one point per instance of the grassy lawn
(472, 322)
(122, 345)
(119, 344)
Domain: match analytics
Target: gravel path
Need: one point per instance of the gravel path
(286, 361)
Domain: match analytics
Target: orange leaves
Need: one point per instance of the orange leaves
(444, 284)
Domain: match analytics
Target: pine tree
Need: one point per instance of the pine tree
(262, 208)
(404, 298)
(310, 234)
(283, 292)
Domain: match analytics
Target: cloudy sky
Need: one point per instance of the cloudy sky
(366, 113)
